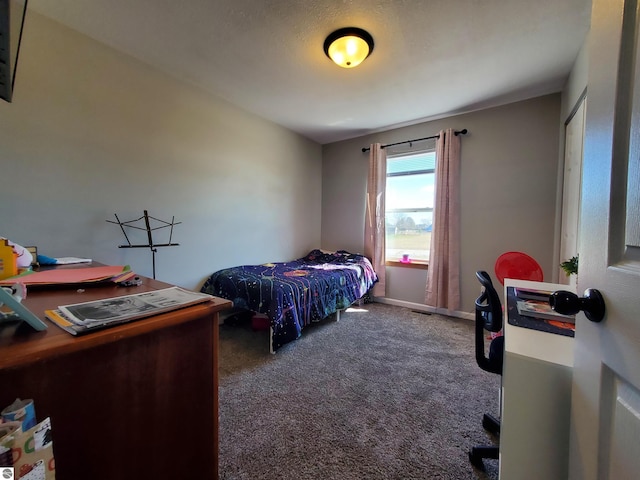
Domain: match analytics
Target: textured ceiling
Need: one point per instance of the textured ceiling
(432, 58)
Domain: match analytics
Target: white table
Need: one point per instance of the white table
(536, 397)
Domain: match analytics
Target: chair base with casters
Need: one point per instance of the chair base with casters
(479, 453)
(488, 318)
(491, 424)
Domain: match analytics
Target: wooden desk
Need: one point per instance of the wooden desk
(134, 401)
(536, 398)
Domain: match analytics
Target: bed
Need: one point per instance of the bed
(294, 294)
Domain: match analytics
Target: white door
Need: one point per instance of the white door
(605, 414)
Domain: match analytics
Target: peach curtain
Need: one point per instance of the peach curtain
(443, 278)
(374, 231)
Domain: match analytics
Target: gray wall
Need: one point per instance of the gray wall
(576, 83)
(92, 133)
(509, 178)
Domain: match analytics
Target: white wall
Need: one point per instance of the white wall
(509, 174)
(92, 133)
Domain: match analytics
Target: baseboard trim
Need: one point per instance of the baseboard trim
(424, 308)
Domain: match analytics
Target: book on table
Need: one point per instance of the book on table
(532, 294)
(85, 317)
(540, 309)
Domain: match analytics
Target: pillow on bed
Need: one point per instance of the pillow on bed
(323, 256)
(319, 256)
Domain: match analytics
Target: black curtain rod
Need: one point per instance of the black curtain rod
(461, 132)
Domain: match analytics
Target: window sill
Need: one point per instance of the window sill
(414, 264)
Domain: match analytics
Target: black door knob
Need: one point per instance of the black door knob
(568, 303)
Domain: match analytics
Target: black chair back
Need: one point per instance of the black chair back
(489, 318)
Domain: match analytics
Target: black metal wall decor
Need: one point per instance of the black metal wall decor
(147, 227)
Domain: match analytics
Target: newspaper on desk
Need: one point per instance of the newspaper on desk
(87, 316)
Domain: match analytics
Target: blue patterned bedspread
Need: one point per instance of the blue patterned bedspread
(294, 294)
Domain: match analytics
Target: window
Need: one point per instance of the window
(409, 206)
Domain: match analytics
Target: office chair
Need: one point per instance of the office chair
(488, 317)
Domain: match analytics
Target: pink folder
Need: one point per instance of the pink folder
(70, 275)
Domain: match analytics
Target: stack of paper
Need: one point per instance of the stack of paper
(71, 260)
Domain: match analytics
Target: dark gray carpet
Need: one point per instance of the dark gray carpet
(385, 393)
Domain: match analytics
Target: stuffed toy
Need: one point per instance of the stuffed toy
(24, 256)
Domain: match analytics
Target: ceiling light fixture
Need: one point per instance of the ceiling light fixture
(348, 47)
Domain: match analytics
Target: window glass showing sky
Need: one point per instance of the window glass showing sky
(410, 191)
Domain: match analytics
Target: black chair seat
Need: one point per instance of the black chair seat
(496, 354)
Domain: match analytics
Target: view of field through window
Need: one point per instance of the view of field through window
(409, 206)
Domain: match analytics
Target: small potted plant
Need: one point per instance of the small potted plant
(570, 267)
